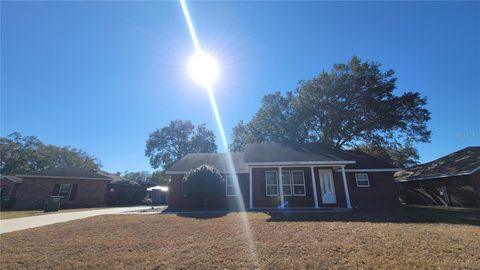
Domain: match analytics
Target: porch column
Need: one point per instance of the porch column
(345, 186)
(250, 188)
(314, 185)
(280, 183)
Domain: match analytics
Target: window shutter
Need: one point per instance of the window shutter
(74, 192)
(56, 189)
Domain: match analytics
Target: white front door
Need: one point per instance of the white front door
(327, 187)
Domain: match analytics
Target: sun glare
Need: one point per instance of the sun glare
(203, 68)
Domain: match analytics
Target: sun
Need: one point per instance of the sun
(203, 68)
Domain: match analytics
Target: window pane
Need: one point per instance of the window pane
(231, 181)
(298, 178)
(299, 190)
(362, 180)
(286, 178)
(233, 190)
(271, 178)
(65, 187)
(287, 190)
(272, 190)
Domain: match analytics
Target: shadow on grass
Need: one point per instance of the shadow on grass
(404, 214)
(198, 214)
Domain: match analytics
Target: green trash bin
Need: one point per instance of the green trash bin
(5, 203)
(53, 203)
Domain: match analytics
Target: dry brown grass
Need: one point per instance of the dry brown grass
(321, 241)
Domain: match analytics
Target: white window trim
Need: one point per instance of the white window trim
(69, 192)
(362, 185)
(227, 185)
(267, 185)
(293, 184)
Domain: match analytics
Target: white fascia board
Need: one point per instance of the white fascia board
(294, 163)
(185, 172)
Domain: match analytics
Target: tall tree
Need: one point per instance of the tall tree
(28, 154)
(275, 121)
(402, 156)
(167, 145)
(351, 104)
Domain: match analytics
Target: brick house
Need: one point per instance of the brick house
(291, 176)
(79, 187)
(452, 180)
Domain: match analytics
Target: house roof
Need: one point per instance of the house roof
(119, 180)
(217, 160)
(281, 154)
(462, 162)
(276, 152)
(12, 178)
(314, 153)
(68, 172)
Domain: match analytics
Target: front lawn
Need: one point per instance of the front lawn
(403, 239)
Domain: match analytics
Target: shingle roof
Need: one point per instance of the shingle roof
(276, 152)
(12, 178)
(119, 180)
(70, 172)
(279, 153)
(312, 152)
(217, 160)
(462, 162)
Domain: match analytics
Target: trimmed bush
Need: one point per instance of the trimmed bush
(204, 183)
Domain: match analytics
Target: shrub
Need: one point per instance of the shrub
(204, 183)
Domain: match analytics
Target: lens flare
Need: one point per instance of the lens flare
(203, 68)
(204, 71)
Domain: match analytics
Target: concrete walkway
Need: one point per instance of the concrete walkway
(16, 224)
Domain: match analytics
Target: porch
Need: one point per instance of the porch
(300, 186)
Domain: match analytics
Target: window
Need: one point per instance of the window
(65, 191)
(232, 188)
(298, 183)
(271, 183)
(287, 183)
(293, 183)
(362, 180)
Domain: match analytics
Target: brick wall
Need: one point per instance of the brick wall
(33, 193)
(381, 193)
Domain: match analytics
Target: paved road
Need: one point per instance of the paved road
(16, 224)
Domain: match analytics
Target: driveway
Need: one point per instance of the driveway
(16, 224)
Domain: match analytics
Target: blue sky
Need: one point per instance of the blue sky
(101, 75)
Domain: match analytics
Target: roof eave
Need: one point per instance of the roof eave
(295, 163)
(62, 177)
(440, 176)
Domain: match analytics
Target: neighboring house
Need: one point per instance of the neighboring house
(453, 180)
(79, 187)
(123, 191)
(312, 176)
